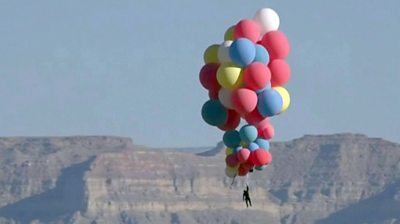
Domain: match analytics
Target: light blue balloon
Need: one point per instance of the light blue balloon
(261, 54)
(269, 103)
(236, 149)
(242, 52)
(214, 113)
(268, 86)
(231, 139)
(253, 146)
(248, 133)
(263, 143)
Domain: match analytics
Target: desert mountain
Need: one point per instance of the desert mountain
(343, 178)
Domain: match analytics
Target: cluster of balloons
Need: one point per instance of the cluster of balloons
(244, 76)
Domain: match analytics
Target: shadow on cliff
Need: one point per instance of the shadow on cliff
(214, 151)
(376, 209)
(67, 197)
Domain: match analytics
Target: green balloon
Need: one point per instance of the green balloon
(232, 139)
(214, 113)
(260, 168)
(211, 54)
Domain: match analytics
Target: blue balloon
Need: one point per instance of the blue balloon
(269, 103)
(263, 143)
(248, 133)
(242, 52)
(253, 146)
(261, 54)
(231, 139)
(214, 113)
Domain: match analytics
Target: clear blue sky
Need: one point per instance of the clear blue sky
(130, 68)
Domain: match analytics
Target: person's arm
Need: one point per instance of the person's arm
(244, 196)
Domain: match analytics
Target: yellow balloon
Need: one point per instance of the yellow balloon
(230, 76)
(230, 173)
(285, 97)
(243, 144)
(229, 33)
(228, 151)
(211, 54)
(233, 168)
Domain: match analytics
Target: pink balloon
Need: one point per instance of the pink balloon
(261, 157)
(254, 117)
(243, 155)
(232, 122)
(231, 160)
(257, 75)
(264, 123)
(208, 77)
(247, 28)
(276, 44)
(269, 158)
(280, 72)
(265, 129)
(244, 100)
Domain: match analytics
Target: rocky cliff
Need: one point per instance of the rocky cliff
(342, 178)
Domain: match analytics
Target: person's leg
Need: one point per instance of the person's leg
(247, 203)
(250, 202)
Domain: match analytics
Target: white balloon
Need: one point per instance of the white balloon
(224, 95)
(223, 51)
(268, 20)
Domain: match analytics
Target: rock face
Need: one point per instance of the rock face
(342, 178)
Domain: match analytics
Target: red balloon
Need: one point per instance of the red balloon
(208, 77)
(244, 100)
(249, 163)
(232, 122)
(247, 28)
(280, 72)
(257, 75)
(276, 44)
(231, 160)
(254, 117)
(242, 171)
(265, 129)
(243, 155)
(213, 95)
(261, 157)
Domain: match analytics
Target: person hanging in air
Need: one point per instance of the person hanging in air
(246, 196)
